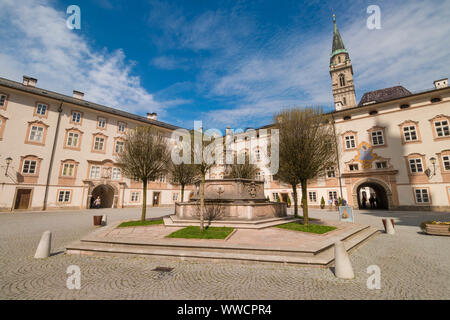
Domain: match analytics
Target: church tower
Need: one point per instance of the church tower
(341, 72)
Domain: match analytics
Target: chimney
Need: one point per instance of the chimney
(29, 81)
(78, 94)
(442, 83)
(152, 116)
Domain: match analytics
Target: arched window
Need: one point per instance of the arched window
(342, 80)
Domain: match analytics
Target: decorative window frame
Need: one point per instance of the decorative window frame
(346, 134)
(422, 203)
(114, 145)
(328, 194)
(326, 172)
(433, 127)
(3, 120)
(408, 123)
(64, 202)
(99, 134)
(66, 138)
(30, 177)
(125, 129)
(445, 173)
(383, 131)
(6, 101)
(106, 123)
(417, 177)
(131, 196)
(37, 123)
(81, 117)
(35, 114)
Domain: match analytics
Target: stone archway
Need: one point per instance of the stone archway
(108, 195)
(381, 190)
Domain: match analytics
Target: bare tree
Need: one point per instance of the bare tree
(306, 146)
(287, 173)
(182, 174)
(244, 170)
(144, 157)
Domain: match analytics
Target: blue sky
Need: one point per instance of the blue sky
(223, 62)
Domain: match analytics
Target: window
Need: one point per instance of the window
(119, 146)
(341, 80)
(36, 134)
(72, 139)
(116, 173)
(162, 178)
(381, 164)
(175, 196)
(76, 117)
(350, 142)
(29, 166)
(2, 100)
(377, 138)
(41, 109)
(332, 195)
(68, 169)
(121, 127)
(409, 133)
(99, 143)
(275, 196)
(345, 100)
(353, 167)
(446, 162)
(64, 196)
(442, 128)
(95, 172)
(257, 154)
(422, 196)
(135, 196)
(415, 165)
(101, 123)
(330, 172)
(312, 196)
(258, 175)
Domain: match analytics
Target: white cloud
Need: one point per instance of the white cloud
(39, 44)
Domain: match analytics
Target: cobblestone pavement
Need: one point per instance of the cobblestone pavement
(413, 265)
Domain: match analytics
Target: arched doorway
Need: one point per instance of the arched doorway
(372, 188)
(106, 194)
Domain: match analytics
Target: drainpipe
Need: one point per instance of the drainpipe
(337, 157)
(55, 140)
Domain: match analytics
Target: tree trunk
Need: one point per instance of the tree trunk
(294, 189)
(144, 200)
(304, 184)
(202, 201)
(182, 193)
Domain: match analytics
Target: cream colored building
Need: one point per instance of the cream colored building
(58, 151)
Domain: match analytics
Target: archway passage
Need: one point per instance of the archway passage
(106, 194)
(372, 195)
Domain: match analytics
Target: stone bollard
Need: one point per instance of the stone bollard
(342, 265)
(103, 223)
(43, 249)
(389, 227)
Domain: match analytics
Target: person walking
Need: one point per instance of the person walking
(364, 201)
(372, 201)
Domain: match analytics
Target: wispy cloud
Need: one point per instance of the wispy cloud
(40, 45)
(251, 76)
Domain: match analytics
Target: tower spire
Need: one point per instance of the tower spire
(338, 44)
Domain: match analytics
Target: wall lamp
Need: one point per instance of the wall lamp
(8, 162)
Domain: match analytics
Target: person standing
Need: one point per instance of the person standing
(364, 201)
(372, 201)
(97, 202)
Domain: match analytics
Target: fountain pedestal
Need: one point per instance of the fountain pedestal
(231, 199)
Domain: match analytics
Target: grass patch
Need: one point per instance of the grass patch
(312, 228)
(139, 223)
(193, 232)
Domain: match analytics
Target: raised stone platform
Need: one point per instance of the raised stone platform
(273, 245)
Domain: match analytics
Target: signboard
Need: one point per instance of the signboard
(346, 214)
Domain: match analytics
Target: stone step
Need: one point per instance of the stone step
(173, 221)
(322, 257)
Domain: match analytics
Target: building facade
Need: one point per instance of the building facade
(58, 151)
